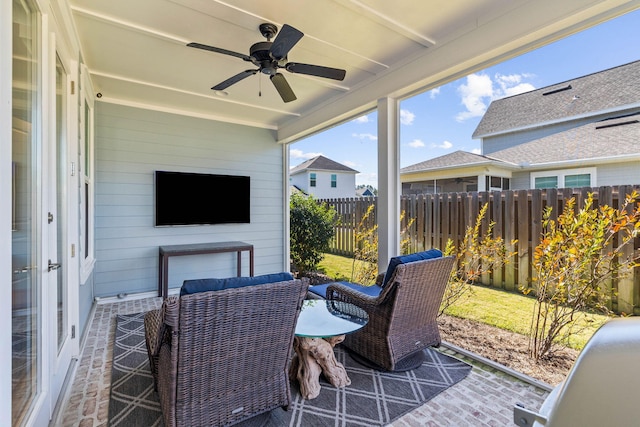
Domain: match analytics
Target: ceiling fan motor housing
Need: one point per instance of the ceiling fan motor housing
(261, 56)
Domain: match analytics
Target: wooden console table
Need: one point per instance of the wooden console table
(167, 252)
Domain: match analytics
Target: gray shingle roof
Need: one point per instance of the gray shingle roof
(321, 163)
(457, 158)
(601, 140)
(613, 88)
(597, 140)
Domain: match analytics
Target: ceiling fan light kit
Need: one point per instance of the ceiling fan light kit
(269, 57)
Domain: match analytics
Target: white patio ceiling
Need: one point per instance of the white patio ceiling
(136, 51)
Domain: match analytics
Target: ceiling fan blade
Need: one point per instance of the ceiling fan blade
(316, 70)
(284, 41)
(219, 50)
(283, 88)
(235, 79)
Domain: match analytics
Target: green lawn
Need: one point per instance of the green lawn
(506, 310)
(337, 267)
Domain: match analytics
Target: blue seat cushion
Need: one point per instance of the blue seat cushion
(203, 285)
(372, 291)
(404, 259)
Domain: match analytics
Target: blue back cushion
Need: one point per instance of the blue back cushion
(404, 259)
(372, 291)
(203, 285)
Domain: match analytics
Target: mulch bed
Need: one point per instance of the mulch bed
(507, 348)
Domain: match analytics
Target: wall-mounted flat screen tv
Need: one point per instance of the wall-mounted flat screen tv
(183, 198)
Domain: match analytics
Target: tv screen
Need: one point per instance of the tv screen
(183, 198)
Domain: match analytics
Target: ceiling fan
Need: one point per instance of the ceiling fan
(270, 56)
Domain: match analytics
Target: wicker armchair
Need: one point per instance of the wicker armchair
(222, 357)
(402, 318)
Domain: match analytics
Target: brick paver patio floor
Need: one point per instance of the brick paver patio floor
(485, 398)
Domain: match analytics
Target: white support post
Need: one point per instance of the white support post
(388, 180)
(286, 227)
(482, 182)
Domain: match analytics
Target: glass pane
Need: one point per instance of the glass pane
(546, 182)
(61, 84)
(581, 180)
(25, 286)
(87, 115)
(86, 220)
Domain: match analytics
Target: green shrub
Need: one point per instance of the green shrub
(578, 253)
(311, 231)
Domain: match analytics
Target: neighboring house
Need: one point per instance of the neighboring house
(579, 133)
(324, 178)
(364, 192)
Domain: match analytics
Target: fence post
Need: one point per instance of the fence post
(437, 221)
(524, 254)
(496, 217)
(605, 198)
(420, 223)
(509, 237)
(626, 282)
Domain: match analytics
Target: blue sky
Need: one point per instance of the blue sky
(442, 120)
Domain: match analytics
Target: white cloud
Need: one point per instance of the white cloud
(476, 151)
(406, 117)
(295, 153)
(445, 145)
(416, 143)
(365, 136)
(362, 119)
(480, 89)
(433, 93)
(512, 84)
(474, 93)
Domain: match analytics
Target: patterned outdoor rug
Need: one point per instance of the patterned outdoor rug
(373, 398)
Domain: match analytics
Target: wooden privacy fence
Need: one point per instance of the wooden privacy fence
(517, 215)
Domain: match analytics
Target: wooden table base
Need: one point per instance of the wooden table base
(312, 357)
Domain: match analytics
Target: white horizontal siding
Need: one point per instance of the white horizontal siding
(130, 145)
(623, 173)
(520, 181)
(627, 173)
(345, 184)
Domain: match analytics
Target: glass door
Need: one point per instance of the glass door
(60, 347)
(26, 296)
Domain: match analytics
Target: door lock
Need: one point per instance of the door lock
(54, 266)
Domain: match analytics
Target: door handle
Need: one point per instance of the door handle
(53, 266)
(23, 269)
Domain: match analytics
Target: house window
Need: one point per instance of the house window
(546, 182)
(312, 180)
(496, 183)
(564, 178)
(334, 180)
(580, 180)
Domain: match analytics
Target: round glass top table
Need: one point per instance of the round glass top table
(325, 318)
(322, 324)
